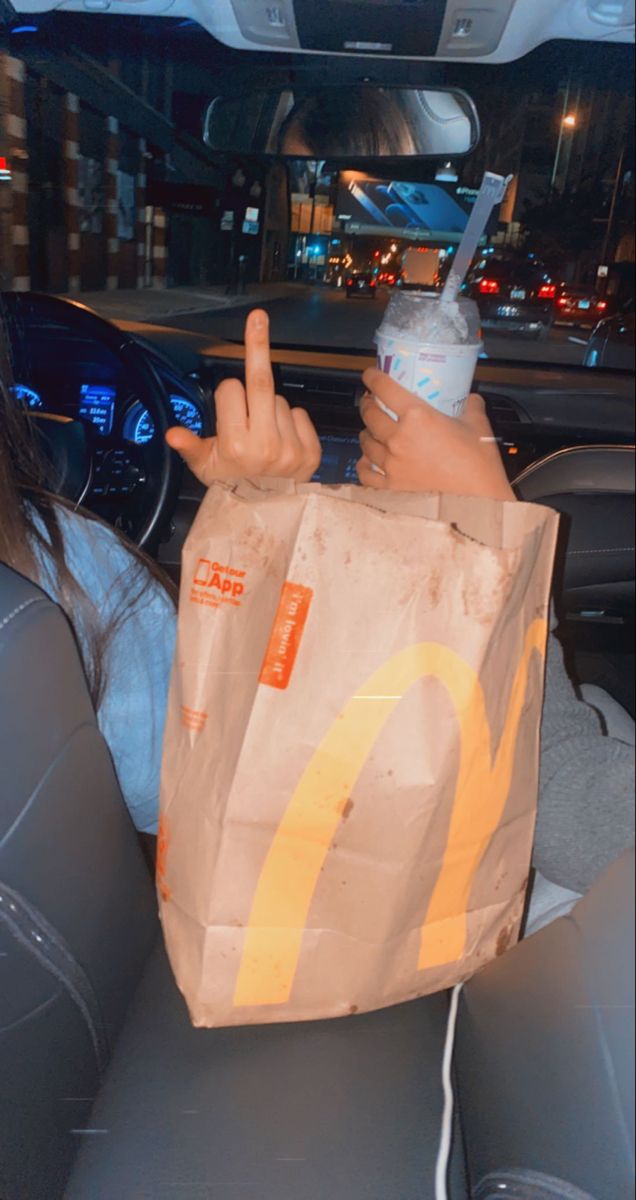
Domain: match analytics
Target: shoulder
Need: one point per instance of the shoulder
(104, 567)
(86, 541)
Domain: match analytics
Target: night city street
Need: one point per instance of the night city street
(325, 318)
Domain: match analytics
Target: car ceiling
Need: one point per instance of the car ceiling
(521, 25)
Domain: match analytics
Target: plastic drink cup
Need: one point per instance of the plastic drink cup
(431, 349)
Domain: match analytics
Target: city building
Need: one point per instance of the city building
(105, 182)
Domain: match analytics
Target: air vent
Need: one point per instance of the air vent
(616, 13)
(502, 410)
(326, 387)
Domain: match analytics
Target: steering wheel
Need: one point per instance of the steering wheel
(82, 461)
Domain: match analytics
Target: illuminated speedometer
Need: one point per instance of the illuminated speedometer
(186, 413)
(26, 395)
(139, 426)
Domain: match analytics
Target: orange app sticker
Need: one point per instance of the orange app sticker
(287, 633)
(216, 584)
(202, 573)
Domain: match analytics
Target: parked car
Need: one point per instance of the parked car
(580, 306)
(513, 294)
(361, 283)
(420, 267)
(612, 342)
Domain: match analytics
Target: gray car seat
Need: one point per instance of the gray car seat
(593, 487)
(545, 1051)
(77, 912)
(102, 1075)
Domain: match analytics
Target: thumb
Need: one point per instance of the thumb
(475, 406)
(195, 451)
(475, 417)
(309, 441)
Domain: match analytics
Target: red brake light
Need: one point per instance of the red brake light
(602, 304)
(563, 299)
(488, 287)
(547, 291)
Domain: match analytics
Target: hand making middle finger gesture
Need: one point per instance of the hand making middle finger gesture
(257, 434)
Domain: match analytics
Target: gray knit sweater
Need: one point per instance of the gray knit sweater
(586, 800)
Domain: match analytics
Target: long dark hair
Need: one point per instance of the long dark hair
(340, 122)
(31, 532)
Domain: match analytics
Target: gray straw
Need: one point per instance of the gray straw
(492, 191)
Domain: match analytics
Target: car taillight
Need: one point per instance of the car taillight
(547, 291)
(563, 300)
(488, 287)
(602, 304)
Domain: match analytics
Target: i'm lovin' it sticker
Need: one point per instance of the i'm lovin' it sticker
(287, 632)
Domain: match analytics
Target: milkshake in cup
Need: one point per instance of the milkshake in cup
(431, 349)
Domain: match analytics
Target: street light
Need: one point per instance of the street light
(567, 124)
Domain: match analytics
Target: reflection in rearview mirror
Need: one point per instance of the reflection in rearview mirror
(345, 123)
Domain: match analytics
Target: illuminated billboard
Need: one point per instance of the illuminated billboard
(435, 212)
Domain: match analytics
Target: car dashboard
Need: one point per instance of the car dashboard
(72, 377)
(61, 374)
(535, 411)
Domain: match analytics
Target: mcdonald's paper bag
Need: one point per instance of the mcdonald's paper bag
(351, 758)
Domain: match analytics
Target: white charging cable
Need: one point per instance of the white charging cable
(446, 1136)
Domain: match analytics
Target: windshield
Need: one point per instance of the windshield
(113, 195)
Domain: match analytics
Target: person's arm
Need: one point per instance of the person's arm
(132, 713)
(585, 815)
(422, 450)
(138, 623)
(586, 794)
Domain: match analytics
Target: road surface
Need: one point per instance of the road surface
(323, 317)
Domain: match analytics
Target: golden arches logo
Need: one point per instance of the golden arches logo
(288, 879)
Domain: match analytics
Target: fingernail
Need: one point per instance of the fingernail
(260, 321)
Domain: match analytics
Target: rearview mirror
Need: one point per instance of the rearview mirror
(344, 124)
